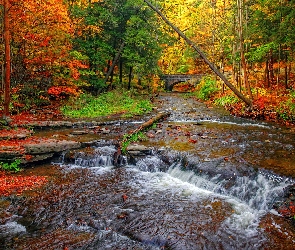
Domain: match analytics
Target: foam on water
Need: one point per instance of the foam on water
(250, 199)
(11, 228)
(242, 124)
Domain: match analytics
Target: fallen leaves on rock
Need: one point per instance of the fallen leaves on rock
(15, 144)
(18, 133)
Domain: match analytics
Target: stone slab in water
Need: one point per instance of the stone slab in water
(51, 146)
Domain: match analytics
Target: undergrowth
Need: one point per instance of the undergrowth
(13, 166)
(107, 104)
(226, 100)
(127, 139)
(286, 109)
(206, 88)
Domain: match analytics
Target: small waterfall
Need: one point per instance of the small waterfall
(251, 194)
(258, 191)
(101, 157)
(11, 227)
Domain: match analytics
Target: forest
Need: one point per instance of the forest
(55, 52)
(96, 152)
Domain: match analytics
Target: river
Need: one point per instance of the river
(208, 181)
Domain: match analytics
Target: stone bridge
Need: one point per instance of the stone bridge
(171, 80)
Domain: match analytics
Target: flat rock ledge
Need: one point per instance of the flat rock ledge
(67, 124)
(41, 149)
(37, 151)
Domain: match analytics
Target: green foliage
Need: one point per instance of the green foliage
(78, 55)
(260, 53)
(106, 104)
(206, 88)
(28, 96)
(226, 100)
(188, 95)
(183, 69)
(13, 166)
(286, 110)
(105, 25)
(127, 139)
(140, 108)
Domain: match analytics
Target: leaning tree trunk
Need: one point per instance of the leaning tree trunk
(195, 47)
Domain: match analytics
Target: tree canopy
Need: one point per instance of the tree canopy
(63, 48)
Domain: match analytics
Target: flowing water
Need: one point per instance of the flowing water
(208, 182)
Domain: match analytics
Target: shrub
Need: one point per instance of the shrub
(206, 88)
(286, 110)
(62, 91)
(127, 139)
(226, 100)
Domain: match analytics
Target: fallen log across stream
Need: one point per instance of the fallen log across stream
(128, 137)
(144, 126)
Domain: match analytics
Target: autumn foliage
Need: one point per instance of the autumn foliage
(41, 35)
(62, 91)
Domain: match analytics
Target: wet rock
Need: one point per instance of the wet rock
(79, 132)
(105, 130)
(9, 154)
(36, 158)
(51, 146)
(20, 136)
(138, 150)
(286, 205)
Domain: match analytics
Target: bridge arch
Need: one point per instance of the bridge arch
(173, 79)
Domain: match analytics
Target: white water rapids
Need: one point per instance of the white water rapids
(249, 197)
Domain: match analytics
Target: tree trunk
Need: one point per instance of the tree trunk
(194, 46)
(266, 73)
(2, 78)
(145, 126)
(270, 66)
(279, 67)
(121, 71)
(129, 78)
(242, 52)
(114, 63)
(286, 72)
(286, 77)
(111, 80)
(7, 60)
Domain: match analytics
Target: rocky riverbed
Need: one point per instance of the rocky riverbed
(200, 178)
